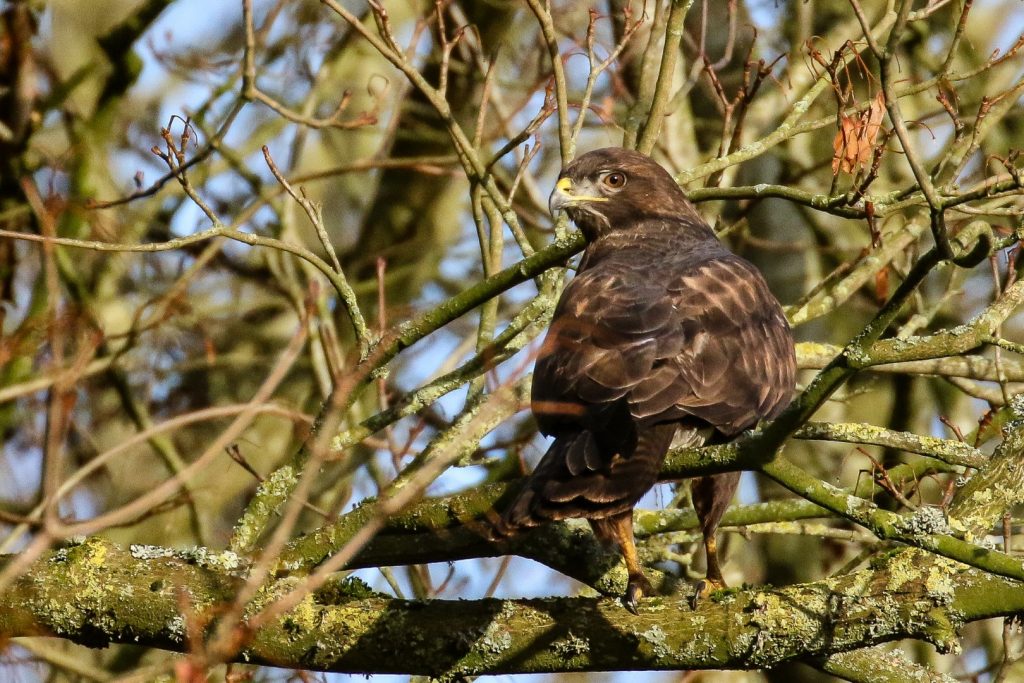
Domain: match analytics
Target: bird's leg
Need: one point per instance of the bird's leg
(619, 529)
(713, 579)
(711, 496)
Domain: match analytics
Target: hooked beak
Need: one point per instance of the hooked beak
(566, 194)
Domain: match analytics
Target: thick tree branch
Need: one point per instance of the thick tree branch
(145, 596)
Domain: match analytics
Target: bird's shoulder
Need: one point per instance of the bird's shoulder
(626, 280)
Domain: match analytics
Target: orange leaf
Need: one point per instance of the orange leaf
(854, 141)
(882, 285)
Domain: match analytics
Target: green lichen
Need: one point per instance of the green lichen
(654, 640)
(149, 552)
(927, 519)
(175, 628)
(270, 494)
(226, 562)
(318, 635)
(86, 603)
(789, 629)
(939, 582)
(338, 591)
(495, 640)
(571, 646)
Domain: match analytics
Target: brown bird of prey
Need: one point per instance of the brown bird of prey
(664, 336)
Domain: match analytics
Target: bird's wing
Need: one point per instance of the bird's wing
(710, 343)
(602, 342)
(729, 360)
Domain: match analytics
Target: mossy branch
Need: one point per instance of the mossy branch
(161, 599)
(456, 527)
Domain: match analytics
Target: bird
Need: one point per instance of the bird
(663, 337)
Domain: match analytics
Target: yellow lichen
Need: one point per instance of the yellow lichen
(902, 570)
(939, 582)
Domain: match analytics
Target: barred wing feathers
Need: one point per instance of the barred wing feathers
(639, 349)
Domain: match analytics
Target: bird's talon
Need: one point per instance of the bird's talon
(638, 587)
(634, 591)
(704, 589)
(629, 602)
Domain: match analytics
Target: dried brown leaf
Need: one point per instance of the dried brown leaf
(855, 140)
(882, 285)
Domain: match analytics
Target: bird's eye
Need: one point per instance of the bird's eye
(614, 180)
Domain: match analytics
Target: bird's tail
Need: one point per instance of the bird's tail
(530, 508)
(580, 476)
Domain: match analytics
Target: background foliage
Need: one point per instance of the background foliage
(272, 274)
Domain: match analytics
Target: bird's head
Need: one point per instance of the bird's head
(614, 188)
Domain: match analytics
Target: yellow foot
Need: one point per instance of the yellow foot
(704, 589)
(638, 587)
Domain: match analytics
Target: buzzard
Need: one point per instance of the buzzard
(663, 337)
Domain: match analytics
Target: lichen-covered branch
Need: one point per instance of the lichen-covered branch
(952, 452)
(975, 509)
(878, 665)
(456, 527)
(816, 356)
(156, 598)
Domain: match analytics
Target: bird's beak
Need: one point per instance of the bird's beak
(566, 194)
